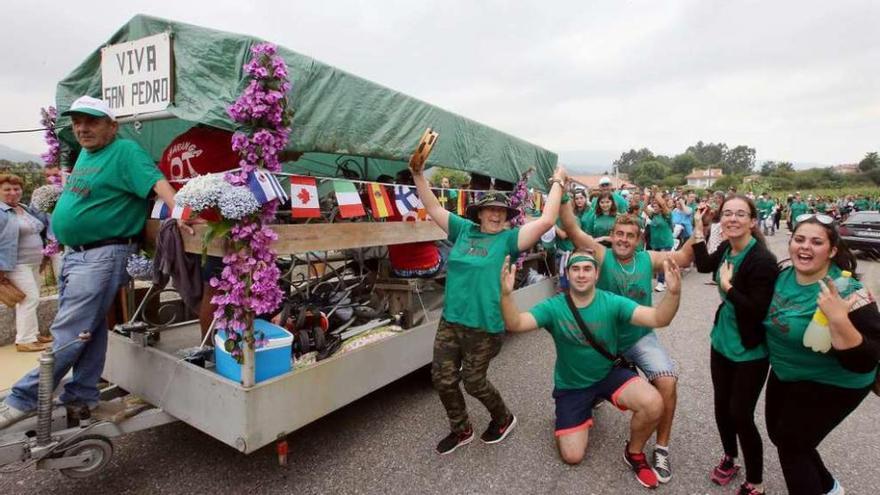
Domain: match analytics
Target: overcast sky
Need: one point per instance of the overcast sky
(797, 80)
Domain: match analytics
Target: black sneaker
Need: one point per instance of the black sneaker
(454, 440)
(496, 433)
(662, 466)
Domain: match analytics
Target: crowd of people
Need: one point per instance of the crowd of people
(608, 249)
(609, 246)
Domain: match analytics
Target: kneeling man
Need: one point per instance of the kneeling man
(584, 375)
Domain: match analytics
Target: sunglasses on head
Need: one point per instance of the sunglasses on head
(823, 219)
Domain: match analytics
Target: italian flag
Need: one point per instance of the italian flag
(380, 203)
(348, 199)
(304, 197)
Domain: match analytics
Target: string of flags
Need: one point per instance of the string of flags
(383, 200)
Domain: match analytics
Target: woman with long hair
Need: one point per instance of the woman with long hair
(602, 220)
(810, 391)
(745, 271)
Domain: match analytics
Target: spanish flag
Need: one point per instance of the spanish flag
(461, 203)
(380, 203)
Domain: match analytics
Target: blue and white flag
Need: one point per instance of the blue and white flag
(266, 187)
(406, 200)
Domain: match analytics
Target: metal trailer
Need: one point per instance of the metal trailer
(168, 389)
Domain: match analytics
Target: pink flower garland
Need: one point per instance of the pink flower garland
(248, 285)
(52, 157)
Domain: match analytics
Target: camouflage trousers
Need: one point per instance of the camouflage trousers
(463, 354)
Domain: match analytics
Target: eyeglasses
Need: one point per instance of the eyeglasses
(823, 219)
(741, 214)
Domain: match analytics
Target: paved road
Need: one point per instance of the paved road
(384, 442)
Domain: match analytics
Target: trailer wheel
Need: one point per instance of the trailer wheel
(101, 451)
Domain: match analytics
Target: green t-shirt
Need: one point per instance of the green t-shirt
(765, 207)
(725, 336)
(105, 196)
(661, 231)
(632, 281)
(797, 208)
(563, 244)
(578, 364)
(473, 276)
(861, 204)
(601, 225)
(787, 319)
(821, 207)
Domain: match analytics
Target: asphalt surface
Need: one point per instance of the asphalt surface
(384, 443)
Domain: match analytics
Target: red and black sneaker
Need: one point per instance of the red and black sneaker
(725, 471)
(455, 440)
(639, 464)
(498, 432)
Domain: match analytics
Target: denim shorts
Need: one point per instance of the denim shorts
(574, 407)
(651, 357)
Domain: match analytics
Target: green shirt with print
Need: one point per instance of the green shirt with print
(725, 337)
(632, 281)
(797, 208)
(661, 231)
(473, 283)
(105, 196)
(787, 319)
(578, 364)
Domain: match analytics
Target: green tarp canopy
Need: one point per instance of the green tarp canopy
(337, 115)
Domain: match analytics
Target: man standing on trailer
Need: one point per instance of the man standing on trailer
(99, 218)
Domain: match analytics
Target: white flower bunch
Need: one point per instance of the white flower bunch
(44, 197)
(139, 267)
(238, 202)
(202, 192)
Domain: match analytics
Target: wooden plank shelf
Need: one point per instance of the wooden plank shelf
(319, 236)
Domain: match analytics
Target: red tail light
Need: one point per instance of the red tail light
(844, 230)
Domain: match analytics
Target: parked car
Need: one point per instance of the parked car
(861, 230)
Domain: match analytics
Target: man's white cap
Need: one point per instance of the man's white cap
(90, 106)
(605, 180)
(624, 193)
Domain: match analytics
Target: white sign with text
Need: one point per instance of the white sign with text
(136, 75)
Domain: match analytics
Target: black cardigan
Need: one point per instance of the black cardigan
(751, 287)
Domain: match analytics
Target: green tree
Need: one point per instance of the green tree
(739, 160)
(457, 178)
(776, 168)
(673, 180)
(685, 163)
(725, 182)
(649, 173)
(869, 162)
(628, 160)
(708, 153)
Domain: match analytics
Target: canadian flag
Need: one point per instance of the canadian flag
(304, 197)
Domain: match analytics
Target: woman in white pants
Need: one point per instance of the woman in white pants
(22, 237)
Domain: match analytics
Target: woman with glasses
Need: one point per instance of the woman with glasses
(745, 271)
(810, 392)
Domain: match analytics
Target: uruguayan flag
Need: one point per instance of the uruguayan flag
(406, 200)
(266, 187)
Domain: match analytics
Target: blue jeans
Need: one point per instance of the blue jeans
(87, 287)
(651, 357)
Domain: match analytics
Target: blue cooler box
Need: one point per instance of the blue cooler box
(274, 359)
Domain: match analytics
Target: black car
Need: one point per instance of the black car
(861, 230)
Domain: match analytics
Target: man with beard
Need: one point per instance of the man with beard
(628, 272)
(586, 324)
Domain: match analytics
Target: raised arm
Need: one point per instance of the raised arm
(579, 238)
(432, 205)
(663, 313)
(514, 321)
(683, 257)
(530, 233)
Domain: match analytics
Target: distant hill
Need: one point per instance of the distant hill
(14, 155)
